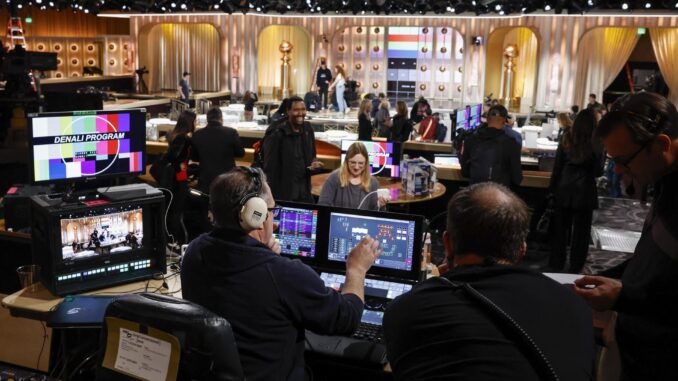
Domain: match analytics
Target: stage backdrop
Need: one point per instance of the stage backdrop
(172, 49)
(402, 62)
(269, 59)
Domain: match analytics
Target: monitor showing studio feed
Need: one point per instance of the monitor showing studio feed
(89, 236)
(81, 145)
(384, 157)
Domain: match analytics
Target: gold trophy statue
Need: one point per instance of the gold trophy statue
(510, 52)
(285, 48)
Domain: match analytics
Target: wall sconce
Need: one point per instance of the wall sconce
(74, 47)
(341, 48)
(375, 85)
(359, 30)
(442, 69)
(422, 87)
(112, 62)
(376, 30)
(75, 62)
(424, 68)
(57, 47)
(112, 47)
(424, 31)
(375, 67)
(443, 50)
(443, 31)
(358, 66)
(424, 49)
(358, 48)
(441, 87)
(375, 49)
(90, 47)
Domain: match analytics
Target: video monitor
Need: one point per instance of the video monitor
(384, 157)
(476, 112)
(398, 237)
(461, 119)
(101, 235)
(297, 230)
(81, 145)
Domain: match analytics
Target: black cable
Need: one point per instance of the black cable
(42, 347)
(82, 364)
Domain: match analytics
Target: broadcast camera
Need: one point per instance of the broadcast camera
(16, 66)
(141, 71)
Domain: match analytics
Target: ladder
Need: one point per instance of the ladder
(15, 32)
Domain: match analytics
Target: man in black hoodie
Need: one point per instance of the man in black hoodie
(490, 154)
(269, 300)
(323, 78)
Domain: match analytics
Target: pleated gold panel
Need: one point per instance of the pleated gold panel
(171, 49)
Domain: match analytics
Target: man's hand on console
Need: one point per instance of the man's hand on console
(600, 293)
(359, 260)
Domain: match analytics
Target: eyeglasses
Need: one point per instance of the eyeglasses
(275, 210)
(626, 161)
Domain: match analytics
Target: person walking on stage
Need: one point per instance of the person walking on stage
(323, 79)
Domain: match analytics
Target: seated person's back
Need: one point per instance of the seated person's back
(436, 331)
(236, 272)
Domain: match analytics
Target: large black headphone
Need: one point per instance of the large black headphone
(252, 210)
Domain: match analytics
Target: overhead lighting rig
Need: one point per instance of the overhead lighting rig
(348, 7)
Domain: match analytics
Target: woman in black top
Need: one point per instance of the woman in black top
(364, 123)
(178, 153)
(578, 162)
(402, 126)
(249, 99)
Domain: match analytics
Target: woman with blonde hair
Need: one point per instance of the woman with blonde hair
(384, 122)
(352, 186)
(340, 84)
(364, 123)
(565, 123)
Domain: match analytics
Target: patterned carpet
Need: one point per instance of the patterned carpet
(623, 215)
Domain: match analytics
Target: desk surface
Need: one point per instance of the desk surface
(39, 303)
(398, 194)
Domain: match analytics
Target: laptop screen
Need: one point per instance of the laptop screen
(396, 237)
(297, 231)
(372, 317)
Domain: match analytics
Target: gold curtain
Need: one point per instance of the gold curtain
(526, 63)
(493, 65)
(602, 55)
(175, 48)
(268, 59)
(665, 45)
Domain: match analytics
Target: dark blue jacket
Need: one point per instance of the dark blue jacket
(268, 299)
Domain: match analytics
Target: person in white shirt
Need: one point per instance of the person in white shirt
(340, 84)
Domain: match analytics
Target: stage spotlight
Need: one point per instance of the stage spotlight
(625, 6)
(547, 7)
(648, 5)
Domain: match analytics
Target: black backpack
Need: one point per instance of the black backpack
(258, 156)
(487, 162)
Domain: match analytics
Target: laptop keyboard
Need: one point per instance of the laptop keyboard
(388, 290)
(369, 332)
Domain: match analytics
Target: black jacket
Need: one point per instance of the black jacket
(323, 75)
(289, 180)
(647, 332)
(491, 155)
(364, 127)
(401, 129)
(574, 185)
(216, 148)
(435, 332)
(269, 301)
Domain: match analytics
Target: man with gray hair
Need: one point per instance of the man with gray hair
(487, 319)
(269, 300)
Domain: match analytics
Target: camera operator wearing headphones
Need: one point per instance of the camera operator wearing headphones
(269, 300)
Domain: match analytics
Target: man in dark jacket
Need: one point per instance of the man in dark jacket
(269, 300)
(440, 332)
(323, 79)
(490, 154)
(641, 136)
(289, 156)
(216, 148)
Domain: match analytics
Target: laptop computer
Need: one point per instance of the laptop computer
(80, 311)
(394, 273)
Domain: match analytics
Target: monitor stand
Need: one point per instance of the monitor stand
(71, 196)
